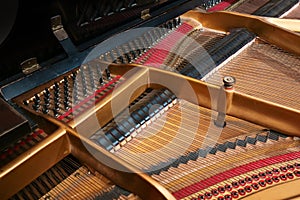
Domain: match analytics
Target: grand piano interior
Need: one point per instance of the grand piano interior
(153, 99)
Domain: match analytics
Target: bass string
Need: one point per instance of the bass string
(84, 187)
(50, 178)
(80, 184)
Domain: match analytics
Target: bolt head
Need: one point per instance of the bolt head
(229, 81)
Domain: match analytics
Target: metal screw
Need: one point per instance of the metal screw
(229, 81)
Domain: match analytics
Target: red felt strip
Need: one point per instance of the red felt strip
(89, 98)
(196, 187)
(222, 5)
(159, 52)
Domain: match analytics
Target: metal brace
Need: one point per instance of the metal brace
(145, 14)
(30, 65)
(58, 28)
(62, 35)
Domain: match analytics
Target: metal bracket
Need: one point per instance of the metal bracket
(145, 14)
(58, 28)
(62, 35)
(30, 65)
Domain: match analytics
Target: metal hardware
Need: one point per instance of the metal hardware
(58, 28)
(145, 14)
(62, 35)
(229, 81)
(30, 65)
(224, 100)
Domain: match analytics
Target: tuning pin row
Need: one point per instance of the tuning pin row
(127, 53)
(210, 3)
(58, 98)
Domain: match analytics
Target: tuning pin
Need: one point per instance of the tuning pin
(56, 95)
(35, 107)
(55, 113)
(127, 57)
(37, 98)
(170, 25)
(56, 86)
(120, 58)
(75, 98)
(45, 109)
(66, 79)
(178, 21)
(46, 92)
(137, 47)
(46, 100)
(56, 100)
(36, 104)
(133, 53)
(174, 21)
(56, 106)
(66, 104)
(101, 79)
(66, 93)
(132, 50)
(107, 73)
(84, 89)
(162, 31)
(73, 76)
(66, 83)
(25, 102)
